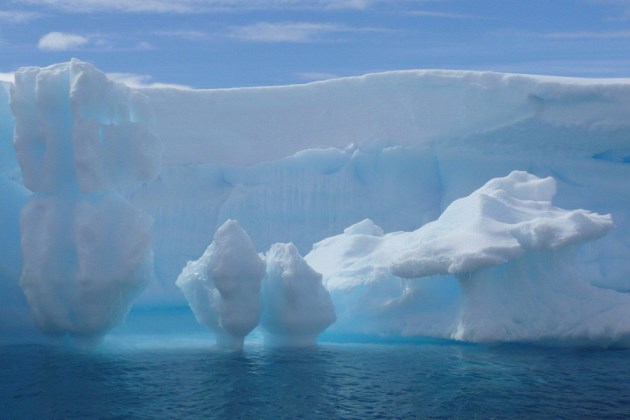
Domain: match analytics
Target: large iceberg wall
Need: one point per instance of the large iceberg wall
(301, 163)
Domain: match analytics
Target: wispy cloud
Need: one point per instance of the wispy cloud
(186, 35)
(199, 6)
(143, 46)
(588, 35)
(444, 15)
(131, 6)
(142, 81)
(18, 16)
(285, 32)
(315, 76)
(292, 31)
(59, 41)
(618, 10)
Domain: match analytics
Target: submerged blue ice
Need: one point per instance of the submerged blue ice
(108, 190)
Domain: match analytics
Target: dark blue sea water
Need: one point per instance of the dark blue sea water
(191, 379)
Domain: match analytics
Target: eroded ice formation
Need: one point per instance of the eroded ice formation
(309, 160)
(501, 221)
(84, 262)
(222, 287)
(499, 261)
(76, 130)
(297, 306)
(81, 140)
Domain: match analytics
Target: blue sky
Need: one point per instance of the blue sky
(231, 43)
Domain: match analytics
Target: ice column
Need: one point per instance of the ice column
(297, 306)
(81, 140)
(223, 286)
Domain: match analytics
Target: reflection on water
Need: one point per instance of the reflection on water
(330, 381)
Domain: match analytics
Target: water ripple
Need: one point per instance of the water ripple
(330, 381)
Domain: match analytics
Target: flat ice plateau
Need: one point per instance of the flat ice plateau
(474, 206)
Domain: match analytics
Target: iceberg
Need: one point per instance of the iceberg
(297, 306)
(223, 286)
(77, 131)
(84, 261)
(81, 156)
(81, 141)
(506, 256)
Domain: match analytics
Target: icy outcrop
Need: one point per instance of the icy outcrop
(297, 306)
(511, 253)
(223, 286)
(81, 140)
(85, 261)
(76, 130)
(501, 221)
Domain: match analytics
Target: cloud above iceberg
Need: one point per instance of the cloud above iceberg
(60, 41)
(443, 15)
(134, 80)
(18, 16)
(286, 32)
(196, 6)
(588, 35)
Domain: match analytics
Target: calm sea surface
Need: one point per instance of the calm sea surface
(191, 379)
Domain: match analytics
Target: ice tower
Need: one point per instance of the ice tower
(81, 141)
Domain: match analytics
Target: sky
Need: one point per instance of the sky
(234, 43)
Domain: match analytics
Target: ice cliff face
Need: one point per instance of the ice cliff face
(299, 164)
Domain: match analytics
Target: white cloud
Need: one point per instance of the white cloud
(92, 6)
(588, 35)
(619, 9)
(144, 46)
(187, 35)
(295, 32)
(443, 15)
(59, 41)
(134, 80)
(18, 16)
(198, 6)
(285, 32)
(315, 76)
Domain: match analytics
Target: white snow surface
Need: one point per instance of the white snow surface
(301, 163)
(502, 220)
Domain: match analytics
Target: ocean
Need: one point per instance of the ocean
(159, 377)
